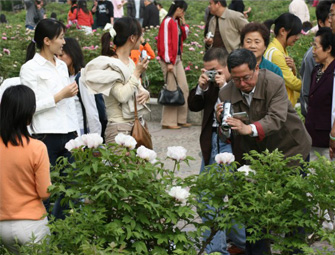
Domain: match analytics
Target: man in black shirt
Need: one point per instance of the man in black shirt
(151, 14)
(104, 13)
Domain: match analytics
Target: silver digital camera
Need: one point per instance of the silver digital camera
(211, 75)
(226, 113)
(209, 35)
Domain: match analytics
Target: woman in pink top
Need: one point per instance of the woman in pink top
(24, 172)
(118, 8)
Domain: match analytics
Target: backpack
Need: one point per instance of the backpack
(99, 100)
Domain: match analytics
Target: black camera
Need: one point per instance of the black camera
(211, 75)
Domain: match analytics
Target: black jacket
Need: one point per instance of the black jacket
(151, 16)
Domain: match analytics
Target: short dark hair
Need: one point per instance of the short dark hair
(288, 21)
(241, 56)
(218, 54)
(326, 39)
(256, 27)
(73, 49)
(322, 11)
(18, 105)
(222, 2)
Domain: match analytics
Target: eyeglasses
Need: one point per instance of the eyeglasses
(237, 80)
(314, 46)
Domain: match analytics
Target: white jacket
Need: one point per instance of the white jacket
(115, 80)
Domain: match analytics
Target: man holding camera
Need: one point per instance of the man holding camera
(272, 121)
(35, 13)
(224, 27)
(204, 97)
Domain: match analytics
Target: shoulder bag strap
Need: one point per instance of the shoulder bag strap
(82, 105)
(135, 106)
(166, 78)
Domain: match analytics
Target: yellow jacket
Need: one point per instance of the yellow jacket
(276, 54)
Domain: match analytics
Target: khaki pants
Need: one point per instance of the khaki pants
(172, 115)
(113, 129)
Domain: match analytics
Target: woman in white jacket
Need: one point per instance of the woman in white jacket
(115, 76)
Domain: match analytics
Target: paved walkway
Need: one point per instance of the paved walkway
(189, 139)
(186, 137)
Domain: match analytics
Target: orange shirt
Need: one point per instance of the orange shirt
(24, 179)
(135, 54)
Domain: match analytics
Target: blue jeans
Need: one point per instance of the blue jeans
(55, 144)
(236, 234)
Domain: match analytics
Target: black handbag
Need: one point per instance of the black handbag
(171, 98)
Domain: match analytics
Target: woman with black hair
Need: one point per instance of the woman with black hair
(87, 113)
(117, 77)
(172, 32)
(73, 4)
(287, 31)
(319, 121)
(55, 119)
(83, 17)
(24, 172)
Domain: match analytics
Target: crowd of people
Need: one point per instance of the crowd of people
(247, 90)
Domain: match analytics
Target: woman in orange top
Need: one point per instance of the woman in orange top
(135, 55)
(83, 17)
(73, 4)
(24, 172)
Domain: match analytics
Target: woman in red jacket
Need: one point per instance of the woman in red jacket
(83, 17)
(172, 32)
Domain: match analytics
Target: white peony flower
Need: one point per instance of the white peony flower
(224, 158)
(92, 140)
(70, 145)
(146, 154)
(126, 141)
(74, 143)
(179, 193)
(176, 152)
(246, 170)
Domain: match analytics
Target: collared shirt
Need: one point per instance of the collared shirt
(248, 97)
(46, 80)
(231, 24)
(201, 91)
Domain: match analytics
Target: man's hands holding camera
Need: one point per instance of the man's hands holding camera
(215, 76)
(234, 123)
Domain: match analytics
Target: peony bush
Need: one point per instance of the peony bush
(123, 201)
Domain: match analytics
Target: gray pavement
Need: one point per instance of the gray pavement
(186, 137)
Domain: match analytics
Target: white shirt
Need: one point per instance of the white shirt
(46, 80)
(137, 8)
(248, 97)
(300, 9)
